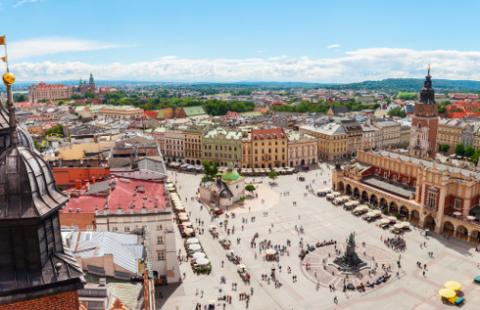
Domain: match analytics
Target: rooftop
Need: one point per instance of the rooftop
(125, 195)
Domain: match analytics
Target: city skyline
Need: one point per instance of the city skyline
(247, 41)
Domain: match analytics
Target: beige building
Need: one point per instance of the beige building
(120, 112)
(174, 146)
(389, 134)
(223, 147)
(404, 136)
(268, 148)
(43, 91)
(453, 132)
(302, 149)
(193, 146)
(332, 141)
(371, 136)
(431, 195)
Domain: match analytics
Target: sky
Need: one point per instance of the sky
(241, 40)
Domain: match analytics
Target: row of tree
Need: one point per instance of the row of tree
(323, 106)
(463, 151)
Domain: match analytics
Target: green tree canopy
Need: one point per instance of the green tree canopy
(460, 150)
(397, 111)
(210, 170)
(250, 188)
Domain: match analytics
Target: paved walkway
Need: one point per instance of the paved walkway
(453, 260)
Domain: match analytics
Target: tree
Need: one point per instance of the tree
(56, 130)
(469, 151)
(273, 175)
(398, 111)
(474, 158)
(250, 188)
(210, 170)
(460, 150)
(443, 148)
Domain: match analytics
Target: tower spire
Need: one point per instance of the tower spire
(428, 73)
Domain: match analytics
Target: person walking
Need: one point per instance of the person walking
(335, 300)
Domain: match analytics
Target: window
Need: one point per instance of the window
(126, 229)
(159, 239)
(114, 229)
(431, 200)
(159, 227)
(160, 255)
(457, 204)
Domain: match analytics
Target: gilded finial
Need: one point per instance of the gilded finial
(8, 78)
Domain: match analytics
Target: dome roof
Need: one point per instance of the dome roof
(27, 186)
(231, 175)
(24, 137)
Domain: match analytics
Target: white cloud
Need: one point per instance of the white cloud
(22, 2)
(332, 46)
(356, 65)
(55, 45)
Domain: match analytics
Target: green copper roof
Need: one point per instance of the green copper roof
(231, 175)
(194, 111)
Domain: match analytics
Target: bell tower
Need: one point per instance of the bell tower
(423, 137)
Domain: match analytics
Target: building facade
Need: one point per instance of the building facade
(269, 148)
(434, 196)
(302, 149)
(193, 146)
(332, 141)
(43, 91)
(174, 145)
(223, 147)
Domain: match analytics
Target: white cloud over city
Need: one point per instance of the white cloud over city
(55, 45)
(356, 65)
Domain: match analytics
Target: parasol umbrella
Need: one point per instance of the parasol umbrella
(198, 255)
(453, 285)
(192, 241)
(202, 261)
(447, 293)
(270, 252)
(188, 231)
(187, 224)
(194, 247)
(182, 214)
(392, 218)
(457, 213)
(183, 218)
(476, 279)
(180, 208)
(471, 218)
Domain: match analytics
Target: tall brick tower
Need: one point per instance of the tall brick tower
(423, 136)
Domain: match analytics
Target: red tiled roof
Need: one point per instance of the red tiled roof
(44, 85)
(127, 194)
(151, 114)
(270, 133)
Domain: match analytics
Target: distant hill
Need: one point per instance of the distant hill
(410, 85)
(388, 85)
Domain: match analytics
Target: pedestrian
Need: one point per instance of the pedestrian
(335, 300)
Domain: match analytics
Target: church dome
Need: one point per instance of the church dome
(231, 175)
(27, 186)
(24, 137)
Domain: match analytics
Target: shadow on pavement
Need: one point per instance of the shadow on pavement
(163, 292)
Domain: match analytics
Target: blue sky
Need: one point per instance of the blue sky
(238, 40)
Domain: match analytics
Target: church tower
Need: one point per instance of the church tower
(36, 271)
(423, 136)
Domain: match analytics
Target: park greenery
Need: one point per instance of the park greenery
(322, 106)
(468, 152)
(407, 95)
(56, 131)
(161, 100)
(397, 111)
